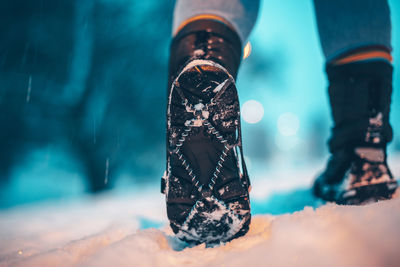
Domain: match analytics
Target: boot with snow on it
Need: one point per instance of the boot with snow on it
(357, 172)
(206, 182)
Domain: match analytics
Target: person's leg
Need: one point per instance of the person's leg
(206, 189)
(240, 14)
(356, 40)
(226, 18)
(348, 27)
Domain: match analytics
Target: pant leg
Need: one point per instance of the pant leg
(241, 14)
(345, 25)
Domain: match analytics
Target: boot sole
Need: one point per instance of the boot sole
(198, 214)
(358, 195)
(368, 194)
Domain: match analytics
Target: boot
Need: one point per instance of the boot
(206, 182)
(357, 171)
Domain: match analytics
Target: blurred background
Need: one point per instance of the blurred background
(83, 96)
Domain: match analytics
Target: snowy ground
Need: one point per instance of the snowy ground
(130, 229)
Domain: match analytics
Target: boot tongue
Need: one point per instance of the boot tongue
(370, 153)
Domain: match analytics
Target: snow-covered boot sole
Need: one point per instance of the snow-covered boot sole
(206, 183)
(368, 194)
(358, 195)
(367, 180)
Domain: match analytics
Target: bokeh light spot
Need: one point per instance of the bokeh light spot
(247, 50)
(252, 111)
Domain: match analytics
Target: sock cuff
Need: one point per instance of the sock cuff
(203, 17)
(363, 54)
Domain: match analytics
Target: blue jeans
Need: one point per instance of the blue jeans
(343, 25)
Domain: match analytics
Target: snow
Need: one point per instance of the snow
(222, 216)
(131, 230)
(220, 86)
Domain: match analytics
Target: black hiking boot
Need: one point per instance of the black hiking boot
(357, 172)
(206, 182)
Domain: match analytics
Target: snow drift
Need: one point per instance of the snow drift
(126, 231)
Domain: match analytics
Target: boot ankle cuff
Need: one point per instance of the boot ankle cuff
(206, 39)
(374, 69)
(360, 96)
